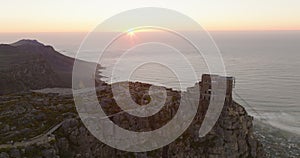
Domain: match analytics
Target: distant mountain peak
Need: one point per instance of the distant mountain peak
(27, 42)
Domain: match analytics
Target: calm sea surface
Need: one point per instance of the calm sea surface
(266, 66)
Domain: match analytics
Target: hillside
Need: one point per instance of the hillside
(28, 64)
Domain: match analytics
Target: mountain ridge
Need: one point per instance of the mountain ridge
(32, 42)
(28, 58)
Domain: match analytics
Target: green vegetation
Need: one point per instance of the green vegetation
(31, 114)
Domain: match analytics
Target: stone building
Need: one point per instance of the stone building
(210, 83)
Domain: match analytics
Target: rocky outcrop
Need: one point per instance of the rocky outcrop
(232, 135)
(232, 139)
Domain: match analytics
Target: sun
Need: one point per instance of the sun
(131, 33)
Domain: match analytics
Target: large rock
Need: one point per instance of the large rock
(15, 153)
(4, 155)
(49, 153)
(232, 135)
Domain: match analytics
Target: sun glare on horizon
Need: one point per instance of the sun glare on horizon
(131, 33)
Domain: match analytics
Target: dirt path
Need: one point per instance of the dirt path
(40, 139)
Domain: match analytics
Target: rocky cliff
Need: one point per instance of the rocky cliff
(232, 135)
(28, 118)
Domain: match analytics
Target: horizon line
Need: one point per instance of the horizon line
(211, 30)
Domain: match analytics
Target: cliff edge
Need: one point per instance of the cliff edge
(36, 124)
(231, 136)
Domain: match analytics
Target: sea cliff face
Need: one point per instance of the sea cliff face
(232, 135)
(36, 124)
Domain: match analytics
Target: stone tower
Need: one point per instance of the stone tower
(207, 82)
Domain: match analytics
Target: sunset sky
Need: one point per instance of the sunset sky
(83, 16)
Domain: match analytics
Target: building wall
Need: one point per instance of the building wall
(217, 81)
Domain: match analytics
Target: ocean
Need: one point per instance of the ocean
(265, 64)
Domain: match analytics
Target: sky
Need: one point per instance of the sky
(84, 15)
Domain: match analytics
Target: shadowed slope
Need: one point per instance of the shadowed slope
(28, 64)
